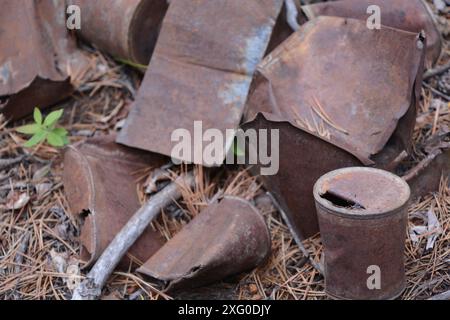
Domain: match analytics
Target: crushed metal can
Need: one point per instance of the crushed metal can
(37, 56)
(363, 214)
(225, 239)
(201, 70)
(311, 83)
(99, 182)
(126, 29)
(409, 15)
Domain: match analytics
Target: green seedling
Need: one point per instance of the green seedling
(237, 151)
(45, 129)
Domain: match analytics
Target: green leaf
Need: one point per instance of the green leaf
(55, 140)
(37, 115)
(60, 132)
(54, 116)
(237, 151)
(66, 140)
(37, 138)
(29, 129)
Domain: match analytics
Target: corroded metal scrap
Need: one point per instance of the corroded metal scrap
(426, 176)
(37, 56)
(363, 214)
(126, 29)
(337, 81)
(409, 15)
(225, 239)
(99, 180)
(201, 70)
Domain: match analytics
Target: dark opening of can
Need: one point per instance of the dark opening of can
(340, 201)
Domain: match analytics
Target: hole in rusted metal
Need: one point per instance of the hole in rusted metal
(340, 201)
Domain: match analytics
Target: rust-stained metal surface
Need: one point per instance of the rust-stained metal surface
(126, 29)
(426, 176)
(201, 70)
(363, 215)
(225, 239)
(409, 15)
(100, 184)
(304, 158)
(37, 56)
(311, 83)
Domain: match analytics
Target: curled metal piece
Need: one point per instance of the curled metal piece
(367, 110)
(409, 15)
(126, 29)
(201, 70)
(225, 239)
(363, 215)
(100, 186)
(37, 56)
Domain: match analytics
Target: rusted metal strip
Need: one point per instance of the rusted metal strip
(342, 87)
(99, 181)
(363, 214)
(37, 56)
(225, 239)
(201, 70)
(409, 15)
(126, 29)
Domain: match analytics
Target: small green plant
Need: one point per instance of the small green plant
(236, 150)
(45, 129)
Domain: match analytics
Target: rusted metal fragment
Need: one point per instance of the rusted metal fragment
(99, 181)
(409, 15)
(201, 70)
(363, 215)
(304, 158)
(225, 239)
(312, 84)
(37, 56)
(126, 29)
(426, 176)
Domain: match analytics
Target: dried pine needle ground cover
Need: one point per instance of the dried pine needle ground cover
(38, 239)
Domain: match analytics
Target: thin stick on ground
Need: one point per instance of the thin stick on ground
(298, 241)
(91, 287)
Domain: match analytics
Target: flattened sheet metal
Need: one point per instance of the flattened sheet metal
(225, 239)
(337, 81)
(363, 214)
(126, 29)
(37, 56)
(100, 184)
(409, 15)
(201, 70)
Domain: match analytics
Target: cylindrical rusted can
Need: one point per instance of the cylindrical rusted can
(126, 29)
(363, 218)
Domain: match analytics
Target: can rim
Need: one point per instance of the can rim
(355, 214)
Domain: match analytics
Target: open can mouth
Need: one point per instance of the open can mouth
(361, 193)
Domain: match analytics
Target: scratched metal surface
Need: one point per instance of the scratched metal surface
(36, 56)
(201, 69)
(409, 15)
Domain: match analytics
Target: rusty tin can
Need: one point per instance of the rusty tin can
(126, 29)
(363, 218)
